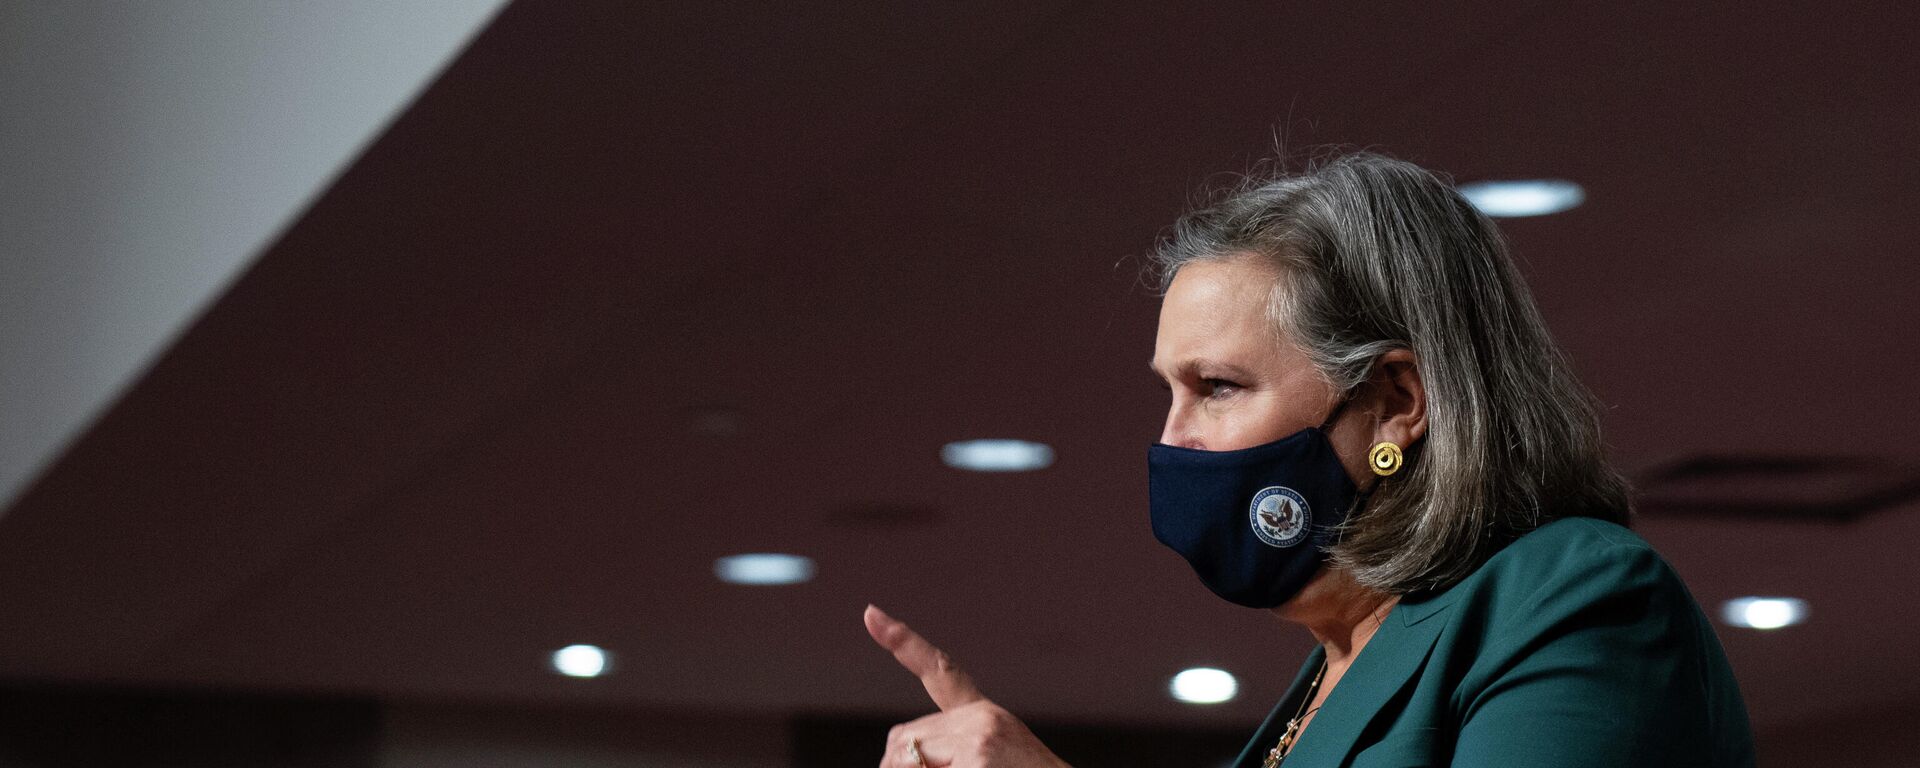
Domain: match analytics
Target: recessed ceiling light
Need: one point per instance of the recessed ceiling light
(1763, 612)
(580, 661)
(1531, 197)
(763, 569)
(1204, 685)
(997, 455)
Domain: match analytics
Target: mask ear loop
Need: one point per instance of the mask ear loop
(1334, 414)
(1359, 498)
(1326, 428)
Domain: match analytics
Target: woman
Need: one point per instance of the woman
(1373, 435)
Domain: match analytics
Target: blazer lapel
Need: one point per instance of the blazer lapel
(1276, 723)
(1387, 664)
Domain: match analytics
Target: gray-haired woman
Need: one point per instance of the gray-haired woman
(1373, 435)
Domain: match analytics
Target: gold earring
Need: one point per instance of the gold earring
(1384, 458)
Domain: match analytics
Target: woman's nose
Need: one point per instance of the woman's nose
(1176, 431)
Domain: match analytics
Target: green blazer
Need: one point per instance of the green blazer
(1577, 645)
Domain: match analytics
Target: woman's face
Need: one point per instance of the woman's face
(1235, 384)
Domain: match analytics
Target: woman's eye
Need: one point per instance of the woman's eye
(1219, 387)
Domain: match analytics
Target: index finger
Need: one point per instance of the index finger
(945, 683)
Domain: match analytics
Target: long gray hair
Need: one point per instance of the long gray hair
(1376, 254)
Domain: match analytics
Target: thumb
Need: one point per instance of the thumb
(945, 683)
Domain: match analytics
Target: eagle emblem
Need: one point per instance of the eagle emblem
(1282, 518)
(1279, 516)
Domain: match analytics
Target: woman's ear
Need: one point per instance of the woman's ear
(1400, 397)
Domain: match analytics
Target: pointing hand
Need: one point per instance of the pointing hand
(969, 731)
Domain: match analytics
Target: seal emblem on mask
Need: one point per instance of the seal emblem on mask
(1279, 516)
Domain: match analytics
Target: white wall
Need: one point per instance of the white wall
(149, 151)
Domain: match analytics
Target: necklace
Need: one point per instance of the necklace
(1280, 750)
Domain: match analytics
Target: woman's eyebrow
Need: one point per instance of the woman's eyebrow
(1222, 370)
(1193, 366)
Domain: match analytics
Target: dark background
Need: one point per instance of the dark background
(634, 286)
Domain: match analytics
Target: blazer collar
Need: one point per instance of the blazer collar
(1276, 723)
(1391, 658)
(1420, 606)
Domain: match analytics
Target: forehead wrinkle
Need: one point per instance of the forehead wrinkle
(1220, 312)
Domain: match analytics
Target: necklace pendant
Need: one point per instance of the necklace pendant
(1280, 750)
(1285, 747)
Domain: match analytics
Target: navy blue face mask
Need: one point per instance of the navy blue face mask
(1254, 523)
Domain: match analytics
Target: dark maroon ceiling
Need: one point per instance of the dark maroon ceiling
(637, 285)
